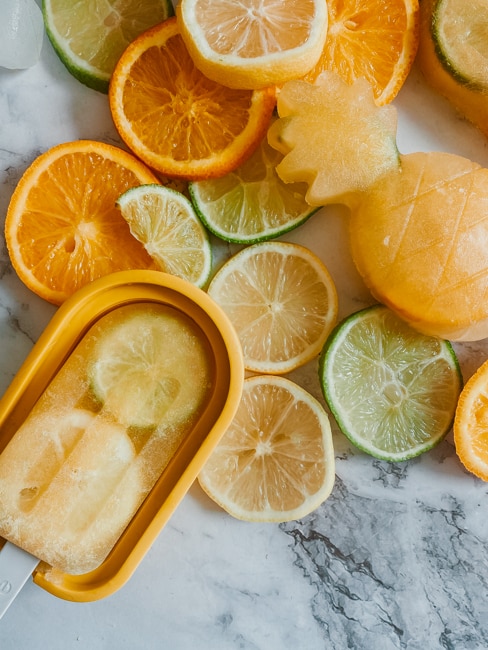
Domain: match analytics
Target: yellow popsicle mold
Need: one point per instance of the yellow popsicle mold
(69, 324)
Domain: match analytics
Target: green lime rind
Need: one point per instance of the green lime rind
(95, 81)
(392, 391)
(259, 235)
(213, 220)
(104, 47)
(442, 43)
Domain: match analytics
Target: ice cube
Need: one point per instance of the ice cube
(21, 33)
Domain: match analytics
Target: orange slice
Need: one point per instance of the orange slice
(471, 424)
(176, 120)
(251, 44)
(371, 39)
(62, 227)
(276, 460)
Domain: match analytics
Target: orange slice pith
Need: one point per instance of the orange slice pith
(374, 39)
(175, 119)
(62, 227)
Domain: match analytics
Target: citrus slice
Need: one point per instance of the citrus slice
(251, 44)
(373, 40)
(63, 229)
(392, 391)
(453, 55)
(282, 302)
(252, 203)
(175, 119)
(89, 37)
(149, 364)
(459, 32)
(471, 424)
(276, 460)
(165, 223)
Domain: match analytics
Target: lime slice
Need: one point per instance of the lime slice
(252, 203)
(392, 390)
(164, 222)
(459, 30)
(150, 366)
(90, 36)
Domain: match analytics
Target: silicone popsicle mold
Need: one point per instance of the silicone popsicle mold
(67, 327)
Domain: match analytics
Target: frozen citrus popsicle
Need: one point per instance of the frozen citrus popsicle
(98, 438)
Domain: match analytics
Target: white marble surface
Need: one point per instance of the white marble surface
(396, 558)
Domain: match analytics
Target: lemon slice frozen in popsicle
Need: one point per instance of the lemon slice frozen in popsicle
(151, 366)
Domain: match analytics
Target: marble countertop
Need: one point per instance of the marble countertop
(396, 557)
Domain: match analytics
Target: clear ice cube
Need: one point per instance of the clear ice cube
(21, 33)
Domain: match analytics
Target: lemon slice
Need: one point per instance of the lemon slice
(392, 391)
(150, 367)
(276, 460)
(282, 302)
(251, 44)
(164, 221)
(252, 203)
(89, 37)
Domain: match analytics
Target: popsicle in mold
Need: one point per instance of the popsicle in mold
(98, 438)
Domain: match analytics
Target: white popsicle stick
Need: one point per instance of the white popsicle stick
(16, 566)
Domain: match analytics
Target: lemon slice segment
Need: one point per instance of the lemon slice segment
(253, 44)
